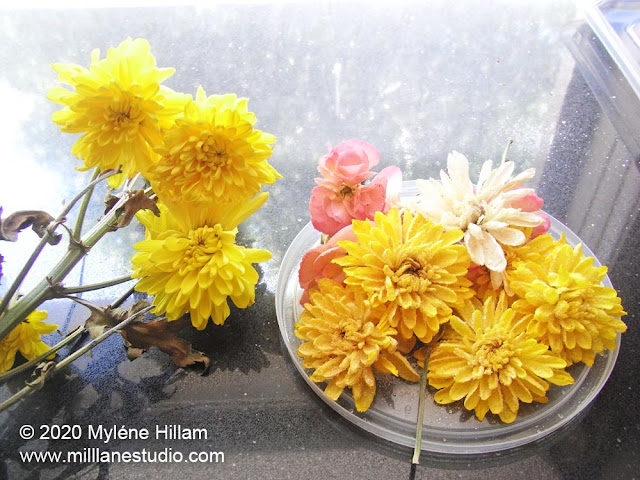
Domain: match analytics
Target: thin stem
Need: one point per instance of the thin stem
(101, 338)
(77, 230)
(43, 241)
(31, 363)
(71, 358)
(42, 291)
(422, 400)
(123, 298)
(94, 286)
(506, 150)
(421, 403)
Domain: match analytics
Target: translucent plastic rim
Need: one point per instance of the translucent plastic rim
(565, 404)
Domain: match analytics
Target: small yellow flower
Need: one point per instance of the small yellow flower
(119, 107)
(214, 153)
(189, 261)
(566, 306)
(343, 340)
(411, 266)
(25, 338)
(491, 362)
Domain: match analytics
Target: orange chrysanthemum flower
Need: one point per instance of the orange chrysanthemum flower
(343, 340)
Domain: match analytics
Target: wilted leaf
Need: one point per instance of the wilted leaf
(141, 336)
(110, 200)
(36, 219)
(137, 201)
(102, 318)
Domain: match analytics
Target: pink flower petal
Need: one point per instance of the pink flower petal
(541, 229)
(528, 203)
(348, 163)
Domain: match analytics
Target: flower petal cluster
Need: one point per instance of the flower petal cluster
(485, 212)
(190, 263)
(567, 308)
(214, 153)
(119, 106)
(25, 338)
(344, 341)
(491, 363)
(411, 266)
(341, 196)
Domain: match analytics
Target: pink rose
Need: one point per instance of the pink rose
(332, 209)
(317, 262)
(348, 164)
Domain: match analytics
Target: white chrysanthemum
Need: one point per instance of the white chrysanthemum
(483, 212)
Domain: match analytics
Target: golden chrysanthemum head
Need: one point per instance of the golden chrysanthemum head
(566, 306)
(489, 282)
(119, 106)
(491, 362)
(214, 153)
(25, 338)
(411, 266)
(189, 261)
(343, 340)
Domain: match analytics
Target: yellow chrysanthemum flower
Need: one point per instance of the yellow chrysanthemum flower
(343, 341)
(119, 106)
(488, 282)
(411, 266)
(190, 263)
(492, 363)
(25, 338)
(566, 306)
(214, 153)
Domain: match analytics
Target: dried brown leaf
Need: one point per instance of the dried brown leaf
(102, 318)
(38, 220)
(141, 336)
(137, 201)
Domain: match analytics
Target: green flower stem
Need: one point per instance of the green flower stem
(94, 286)
(41, 292)
(421, 402)
(32, 363)
(43, 241)
(36, 385)
(123, 298)
(77, 229)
